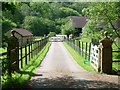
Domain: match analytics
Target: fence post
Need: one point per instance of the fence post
(86, 50)
(29, 51)
(82, 50)
(106, 54)
(25, 54)
(89, 50)
(9, 63)
(21, 57)
(13, 49)
(79, 47)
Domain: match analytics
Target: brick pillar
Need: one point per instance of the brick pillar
(106, 54)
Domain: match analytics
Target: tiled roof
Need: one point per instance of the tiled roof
(22, 32)
(78, 21)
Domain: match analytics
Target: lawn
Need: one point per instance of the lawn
(21, 77)
(79, 59)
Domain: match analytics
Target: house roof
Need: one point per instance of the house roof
(78, 21)
(22, 32)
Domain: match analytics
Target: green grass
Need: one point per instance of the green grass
(21, 77)
(115, 55)
(37, 38)
(79, 59)
(85, 39)
(115, 66)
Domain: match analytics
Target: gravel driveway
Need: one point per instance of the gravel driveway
(60, 70)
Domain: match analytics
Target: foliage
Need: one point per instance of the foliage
(103, 16)
(7, 25)
(67, 28)
(52, 15)
(51, 34)
(78, 6)
(40, 9)
(68, 12)
(38, 26)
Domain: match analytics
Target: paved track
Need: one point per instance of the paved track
(59, 70)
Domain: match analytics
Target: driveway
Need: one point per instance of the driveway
(59, 70)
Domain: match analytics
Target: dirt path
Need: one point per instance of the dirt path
(59, 70)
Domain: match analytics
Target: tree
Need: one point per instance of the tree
(41, 9)
(67, 28)
(105, 14)
(38, 26)
(65, 12)
(33, 24)
(51, 34)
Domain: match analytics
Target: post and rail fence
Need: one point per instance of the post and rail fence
(17, 58)
(82, 47)
(100, 56)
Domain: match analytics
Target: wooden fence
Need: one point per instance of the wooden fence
(90, 52)
(83, 48)
(94, 57)
(116, 51)
(3, 62)
(26, 53)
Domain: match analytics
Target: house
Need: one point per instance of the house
(24, 36)
(78, 23)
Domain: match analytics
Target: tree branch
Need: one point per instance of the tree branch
(113, 26)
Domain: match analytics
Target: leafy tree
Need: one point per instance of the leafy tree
(41, 9)
(38, 26)
(105, 15)
(64, 12)
(67, 28)
(33, 24)
(51, 34)
(78, 6)
(7, 25)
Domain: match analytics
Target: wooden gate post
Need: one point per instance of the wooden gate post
(106, 54)
(13, 48)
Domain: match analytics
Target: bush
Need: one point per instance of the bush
(51, 34)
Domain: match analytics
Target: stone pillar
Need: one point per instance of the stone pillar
(13, 49)
(106, 54)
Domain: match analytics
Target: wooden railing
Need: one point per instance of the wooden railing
(25, 54)
(87, 51)
(94, 57)
(116, 51)
(82, 47)
(4, 62)
(90, 52)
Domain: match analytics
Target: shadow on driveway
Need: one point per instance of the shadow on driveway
(69, 82)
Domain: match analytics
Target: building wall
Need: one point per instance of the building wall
(22, 40)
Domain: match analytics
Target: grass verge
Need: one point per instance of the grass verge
(79, 59)
(20, 78)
